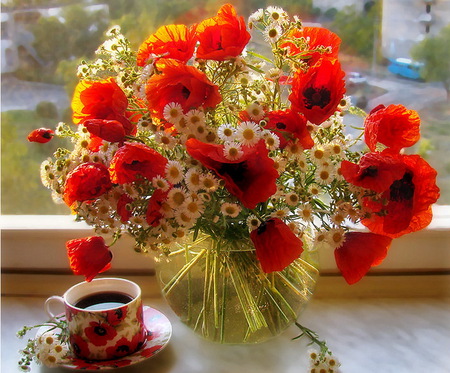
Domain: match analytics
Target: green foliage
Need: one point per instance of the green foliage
(22, 190)
(434, 52)
(357, 30)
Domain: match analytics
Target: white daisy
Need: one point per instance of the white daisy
(277, 14)
(248, 133)
(280, 213)
(160, 183)
(226, 132)
(194, 208)
(195, 117)
(272, 33)
(319, 153)
(306, 212)
(232, 151)
(256, 16)
(253, 222)
(209, 182)
(255, 111)
(174, 172)
(183, 218)
(173, 112)
(271, 139)
(230, 209)
(292, 199)
(193, 179)
(176, 197)
(335, 237)
(324, 175)
(279, 163)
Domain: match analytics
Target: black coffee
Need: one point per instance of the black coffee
(103, 301)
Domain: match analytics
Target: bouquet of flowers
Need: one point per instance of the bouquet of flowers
(235, 131)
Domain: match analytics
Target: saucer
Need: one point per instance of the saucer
(160, 332)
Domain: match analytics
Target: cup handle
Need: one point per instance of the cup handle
(52, 300)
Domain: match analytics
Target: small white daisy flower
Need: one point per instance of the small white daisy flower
(165, 139)
(173, 112)
(174, 172)
(280, 213)
(255, 111)
(193, 179)
(306, 212)
(209, 182)
(176, 197)
(194, 208)
(195, 117)
(256, 16)
(319, 153)
(335, 237)
(324, 175)
(232, 151)
(271, 139)
(160, 183)
(253, 222)
(230, 209)
(226, 132)
(183, 218)
(248, 133)
(292, 199)
(272, 33)
(277, 14)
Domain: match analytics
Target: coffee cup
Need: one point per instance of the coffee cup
(104, 318)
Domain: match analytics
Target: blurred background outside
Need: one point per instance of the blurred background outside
(393, 51)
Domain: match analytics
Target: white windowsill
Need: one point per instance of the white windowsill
(33, 243)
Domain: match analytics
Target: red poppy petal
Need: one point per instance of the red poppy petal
(276, 245)
(88, 256)
(109, 130)
(359, 252)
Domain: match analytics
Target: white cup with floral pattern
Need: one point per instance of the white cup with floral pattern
(104, 318)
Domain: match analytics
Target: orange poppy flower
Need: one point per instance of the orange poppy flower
(276, 245)
(98, 100)
(182, 84)
(222, 37)
(86, 182)
(409, 184)
(251, 178)
(359, 252)
(172, 41)
(134, 161)
(315, 37)
(289, 126)
(317, 92)
(394, 126)
(88, 256)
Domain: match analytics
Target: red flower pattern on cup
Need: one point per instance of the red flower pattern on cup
(100, 333)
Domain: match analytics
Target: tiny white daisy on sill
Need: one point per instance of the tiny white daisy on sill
(248, 133)
(230, 209)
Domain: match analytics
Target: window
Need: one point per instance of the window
(45, 40)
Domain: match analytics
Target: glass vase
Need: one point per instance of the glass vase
(222, 294)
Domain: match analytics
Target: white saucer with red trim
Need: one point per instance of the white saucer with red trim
(160, 332)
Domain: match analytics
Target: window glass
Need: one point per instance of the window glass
(384, 52)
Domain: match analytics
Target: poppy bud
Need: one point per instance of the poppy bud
(41, 135)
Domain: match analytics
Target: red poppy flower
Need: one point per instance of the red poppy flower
(122, 210)
(133, 161)
(88, 256)
(374, 171)
(406, 206)
(289, 126)
(109, 130)
(315, 37)
(276, 245)
(154, 214)
(394, 126)
(86, 182)
(98, 100)
(223, 36)
(99, 333)
(317, 92)
(182, 84)
(41, 135)
(79, 346)
(115, 317)
(251, 178)
(125, 347)
(406, 185)
(359, 252)
(172, 41)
